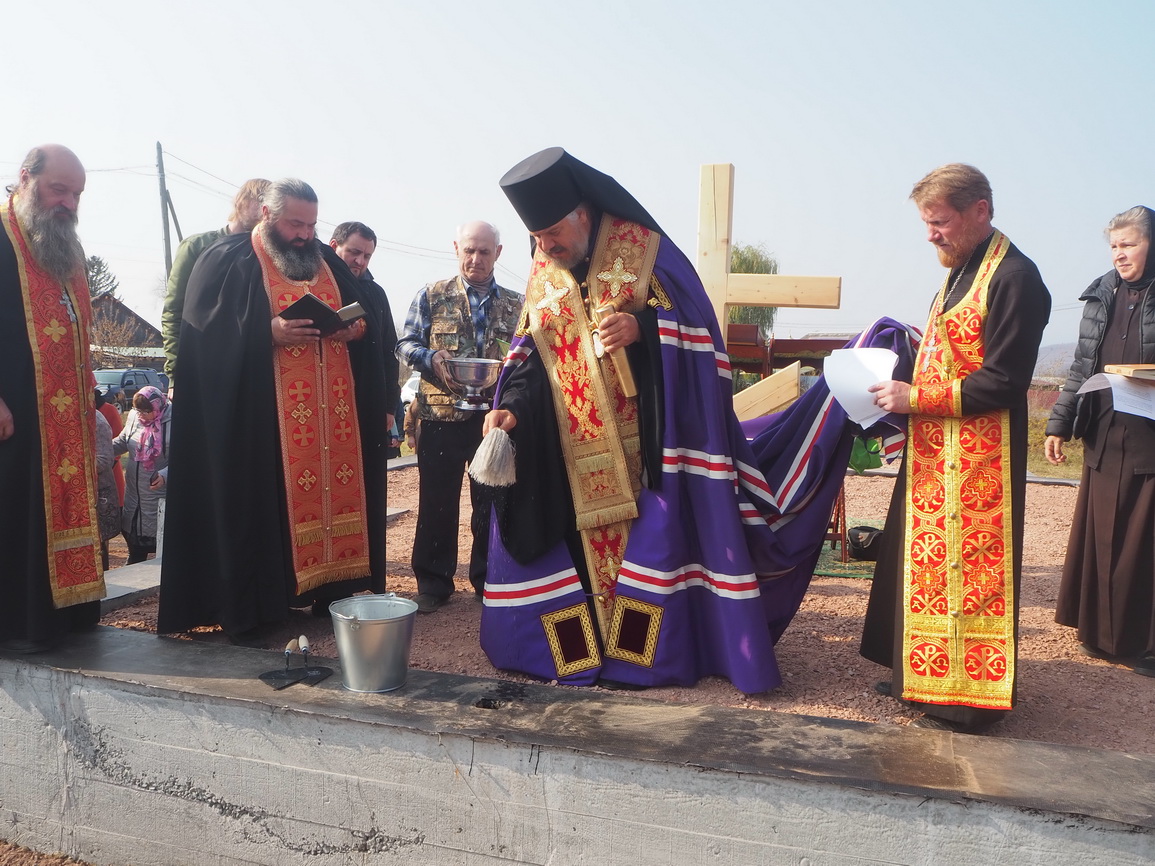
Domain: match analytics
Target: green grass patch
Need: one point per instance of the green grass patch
(830, 562)
(1037, 463)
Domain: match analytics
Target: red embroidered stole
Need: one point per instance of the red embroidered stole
(60, 351)
(597, 422)
(958, 629)
(320, 441)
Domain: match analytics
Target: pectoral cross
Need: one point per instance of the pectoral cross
(66, 302)
(928, 348)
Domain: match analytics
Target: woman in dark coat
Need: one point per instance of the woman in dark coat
(1108, 585)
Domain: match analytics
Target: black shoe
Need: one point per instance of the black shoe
(1095, 653)
(254, 638)
(1145, 666)
(427, 603)
(886, 689)
(24, 646)
(934, 723)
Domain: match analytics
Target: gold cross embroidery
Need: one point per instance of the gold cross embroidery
(552, 299)
(67, 469)
(617, 277)
(61, 401)
(55, 331)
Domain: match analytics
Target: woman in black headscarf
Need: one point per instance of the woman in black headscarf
(1108, 586)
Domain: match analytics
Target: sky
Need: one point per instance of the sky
(404, 116)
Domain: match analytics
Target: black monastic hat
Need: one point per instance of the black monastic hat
(545, 187)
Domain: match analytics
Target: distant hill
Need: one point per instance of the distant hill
(1055, 360)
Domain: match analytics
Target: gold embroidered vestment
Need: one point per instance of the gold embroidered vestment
(320, 441)
(57, 317)
(958, 599)
(598, 423)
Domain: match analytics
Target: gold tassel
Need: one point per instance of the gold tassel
(347, 524)
(610, 514)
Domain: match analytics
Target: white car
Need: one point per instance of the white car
(410, 388)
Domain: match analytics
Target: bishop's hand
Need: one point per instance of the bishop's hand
(618, 330)
(498, 419)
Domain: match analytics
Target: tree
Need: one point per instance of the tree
(110, 335)
(752, 259)
(101, 279)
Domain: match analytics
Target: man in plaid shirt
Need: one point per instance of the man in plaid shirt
(466, 316)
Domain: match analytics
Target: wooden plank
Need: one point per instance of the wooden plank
(1132, 371)
(715, 220)
(779, 290)
(771, 394)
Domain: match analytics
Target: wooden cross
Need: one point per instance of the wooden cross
(715, 222)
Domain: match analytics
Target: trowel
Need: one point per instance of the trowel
(316, 673)
(283, 678)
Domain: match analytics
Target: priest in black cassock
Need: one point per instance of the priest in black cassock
(944, 604)
(51, 580)
(277, 477)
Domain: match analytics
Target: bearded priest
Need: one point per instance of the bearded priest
(51, 579)
(629, 549)
(944, 603)
(279, 435)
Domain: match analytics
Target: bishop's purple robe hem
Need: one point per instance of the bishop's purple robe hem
(723, 554)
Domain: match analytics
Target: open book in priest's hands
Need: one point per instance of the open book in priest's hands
(325, 318)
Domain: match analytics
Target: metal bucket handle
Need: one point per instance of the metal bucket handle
(354, 622)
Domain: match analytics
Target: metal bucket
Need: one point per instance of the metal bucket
(374, 633)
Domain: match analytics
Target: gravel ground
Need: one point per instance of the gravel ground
(1064, 697)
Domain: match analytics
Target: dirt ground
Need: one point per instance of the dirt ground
(1064, 697)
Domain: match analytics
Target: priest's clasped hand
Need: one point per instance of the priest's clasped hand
(294, 332)
(7, 425)
(352, 331)
(892, 396)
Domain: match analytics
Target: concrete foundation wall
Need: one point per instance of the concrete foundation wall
(125, 748)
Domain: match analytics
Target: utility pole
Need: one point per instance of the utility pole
(165, 205)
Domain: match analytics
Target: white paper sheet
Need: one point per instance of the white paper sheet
(849, 372)
(1133, 396)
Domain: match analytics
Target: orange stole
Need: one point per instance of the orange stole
(320, 442)
(597, 422)
(60, 349)
(958, 629)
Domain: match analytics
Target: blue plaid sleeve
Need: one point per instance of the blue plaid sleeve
(413, 344)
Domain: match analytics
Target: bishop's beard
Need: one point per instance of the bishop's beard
(294, 263)
(50, 234)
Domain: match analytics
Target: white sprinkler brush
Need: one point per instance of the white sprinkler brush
(493, 465)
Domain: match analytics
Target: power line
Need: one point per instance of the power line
(129, 169)
(203, 171)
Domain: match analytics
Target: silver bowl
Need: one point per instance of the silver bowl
(475, 375)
